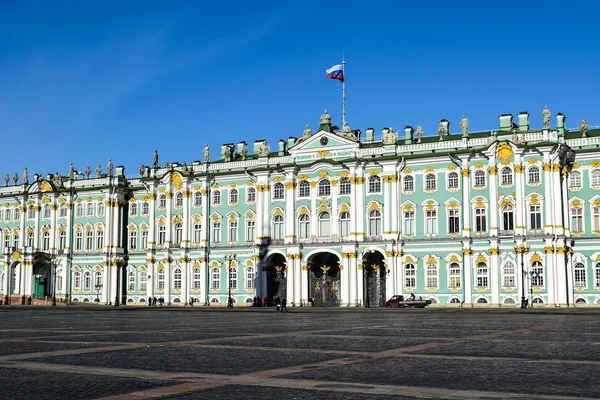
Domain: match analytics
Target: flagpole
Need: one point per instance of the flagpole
(344, 94)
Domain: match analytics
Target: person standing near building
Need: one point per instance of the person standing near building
(283, 305)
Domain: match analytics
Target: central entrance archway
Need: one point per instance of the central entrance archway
(324, 280)
(276, 277)
(41, 280)
(374, 277)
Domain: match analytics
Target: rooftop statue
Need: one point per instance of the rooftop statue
(227, 153)
(71, 172)
(206, 153)
(442, 131)
(184, 169)
(57, 180)
(584, 128)
(419, 133)
(244, 152)
(546, 114)
(98, 171)
(155, 159)
(264, 150)
(306, 134)
(464, 126)
(88, 172)
(110, 167)
(347, 132)
(325, 117)
(390, 137)
(16, 177)
(25, 176)
(6, 179)
(142, 170)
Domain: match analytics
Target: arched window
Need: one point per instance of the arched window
(324, 224)
(374, 184)
(303, 189)
(575, 179)
(215, 282)
(409, 183)
(132, 238)
(145, 208)
(178, 233)
(196, 230)
(345, 224)
(479, 178)
(77, 280)
(431, 277)
(133, 209)
(46, 211)
(233, 230)
(453, 180)
(46, 241)
(162, 201)
(160, 279)
(233, 278)
(177, 279)
(197, 279)
(410, 276)
(216, 231)
(453, 221)
(482, 275)
(508, 275)
(251, 192)
(595, 177)
(197, 199)
(576, 219)
(59, 280)
(7, 215)
(481, 300)
(131, 281)
(143, 281)
(89, 212)
(216, 197)
(278, 191)
(233, 196)
(63, 210)
(596, 219)
(508, 220)
(455, 275)
(162, 234)
(324, 187)
(16, 238)
(278, 227)
(87, 281)
(31, 212)
(79, 210)
(345, 187)
(597, 275)
(535, 217)
(30, 239)
(455, 301)
(537, 274)
(374, 223)
(144, 237)
(179, 199)
(89, 238)
(62, 240)
(78, 239)
(430, 183)
(100, 209)
(99, 238)
(533, 175)
(579, 270)
(250, 277)
(506, 176)
(250, 230)
(304, 226)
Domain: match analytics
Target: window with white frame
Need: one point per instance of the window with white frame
(216, 197)
(455, 275)
(131, 281)
(7, 240)
(160, 279)
(535, 217)
(533, 175)
(304, 226)
(46, 241)
(278, 191)
(577, 219)
(537, 274)
(16, 238)
(46, 213)
(430, 182)
(178, 233)
(87, 281)
(345, 187)
(215, 282)
(431, 275)
(430, 222)
(409, 222)
(596, 219)
(17, 214)
(324, 224)
(374, 223)
(482, 275)
(100, 209)
(133, 209)
(162, 234)
(89, 212)
(59, 280)
(508, 219)
(179, 199)
(143, 281)
(506, 176)
(233, 278)
(250, 275)
(63, 210)
(145, 208)
(197, 199)
(216, 231)
(30, 239)
(278, 227)
(479, 178)
(31, 212)
(374, 184)
(197, 279)
(233, 230)
(579, 271)
(345, 224)
(303, 189)
(62, 240)
(453, 221)
(177, 279)
(508, 275)
(595, 177)
(162, 201)
(144, 235)
(480, 219)
(409, 183)
(77, 280)
(7, 215)
(250, 230)
(597, 275)
(99, 238)
(453, 180)
(233, 196)
(251, 195)
(410, 276)
(78, 240)
(89, 239)
(575, 179)
(98, 281)
(324, 187)
(196, 229)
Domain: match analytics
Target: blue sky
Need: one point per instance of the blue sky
(83, 81)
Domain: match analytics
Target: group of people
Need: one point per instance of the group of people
(152, 301)
(279, 302)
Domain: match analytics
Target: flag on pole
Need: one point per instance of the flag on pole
(336, 72)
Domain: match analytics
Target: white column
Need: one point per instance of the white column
(290, 278)
(167, 291)
(344, 281)
(169, 222)
(549, 201)
(297, 279)
(36, 229)
(352, 274)
(495, 278)
(493, 182)
(290, 193)
(359, 279)
(394, 206)
(466, 190)
(152, 219)
(205, 217)
(468, 271)
(259, 213)
(387, 206)
(304, 280)
(266, 212)
(203, 276)
(314, 223)
(185, 237)
(550, 276)
(335, 215)
(359, 210)
(520, 228)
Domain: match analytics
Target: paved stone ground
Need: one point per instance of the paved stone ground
(131, 353)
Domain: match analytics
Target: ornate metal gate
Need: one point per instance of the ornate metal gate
(276, 283)
(324, 286)
(374, 285)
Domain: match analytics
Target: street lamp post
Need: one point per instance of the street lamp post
(55, 263)
(522, 249)
(229, 258)
(534, 275)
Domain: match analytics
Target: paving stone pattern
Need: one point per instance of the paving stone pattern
(309, 353)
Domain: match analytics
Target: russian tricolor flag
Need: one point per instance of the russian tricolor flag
(336, 72)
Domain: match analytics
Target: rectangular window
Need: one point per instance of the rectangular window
(197, 228)
(143, 281)
(132, 239)
(78, 240)
(144, 240)
(431, 222)
(216, 232)
(535, 217)
(480, 220)
(162, 234)
(409, 222)
(596, 219)
(89, 240)
(453, 221)
(233, 231)
(99, 240)
(577, 220)
(454, 276)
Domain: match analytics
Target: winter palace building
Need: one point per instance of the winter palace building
(331, 218)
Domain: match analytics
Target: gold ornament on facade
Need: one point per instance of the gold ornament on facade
(465, 172)
(504, 151)
(277, 179)
(548, 249)
(532, 161)
(313, 184)
(481, 259)
(407, 170)
(152, 196)
(492, 170)
(409, 259)
(536, 258)
(494, 251)
(373, 172)
(452, 167)
(534, 199)
(430, 205)
(323, 174)
(290, 185)
(278, 212)
(373, 206)
(323, 153)
(303, 211)
(455, 259)
(478, 165)
(467, 252)
(334, 182)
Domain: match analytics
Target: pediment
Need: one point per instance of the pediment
(323, 140)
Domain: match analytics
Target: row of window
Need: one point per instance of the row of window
(576, 178)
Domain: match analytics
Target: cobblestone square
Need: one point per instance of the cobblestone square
(124, 353)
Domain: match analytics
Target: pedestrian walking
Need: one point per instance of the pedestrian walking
(264, 302)
(283, 304)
